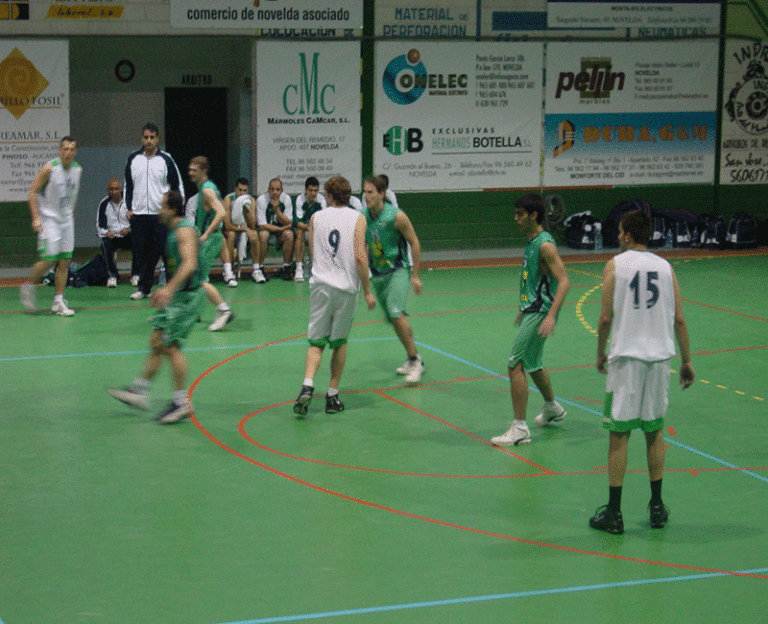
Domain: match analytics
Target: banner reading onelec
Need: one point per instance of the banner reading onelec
(456, 116)
(630, 113)
(250, 14)
(307, 113)
(34, 110)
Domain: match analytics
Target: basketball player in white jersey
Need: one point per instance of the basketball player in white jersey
(52, 199)
(643, 314)
(339, 267)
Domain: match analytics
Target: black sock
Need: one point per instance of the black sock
(656, 492)
(614, 498)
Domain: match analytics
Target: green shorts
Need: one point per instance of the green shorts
(528, 347)
(178, 319)
(392, 292)
(209, 251)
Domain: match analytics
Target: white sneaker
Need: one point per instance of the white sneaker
(130, 396)
(299, 275)
(230, 280)
(138, 295)
(28, 297)
(134, 280)
(258, 276)
(517, 434)
(414, 371)
(112, 282)
(61, 309)
(222, 318)
(403, 370)
(550, 415)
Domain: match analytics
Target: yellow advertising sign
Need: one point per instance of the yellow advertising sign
(84, 11)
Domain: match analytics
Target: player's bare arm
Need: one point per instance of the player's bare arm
(405, 227)
(687, 374)
(41, 179)
(606, 314)
(553, 265)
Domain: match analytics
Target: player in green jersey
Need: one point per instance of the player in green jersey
(388, 235)
(179, 306)
(543, 286)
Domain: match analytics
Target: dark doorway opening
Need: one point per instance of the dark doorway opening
(196, 125)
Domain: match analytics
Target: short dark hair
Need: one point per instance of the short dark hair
(311, 181)
(68, 139)
(175, 202)
(151, 127)
(638, 225)
(339, 190)
(532, 202)
(243, 181)
(202, 162)
(378, 182)
(385, 179)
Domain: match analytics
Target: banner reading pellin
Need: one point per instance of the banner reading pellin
(307, 102)
(458, 116)
(744, 150)
(34, 110)
(630, 113)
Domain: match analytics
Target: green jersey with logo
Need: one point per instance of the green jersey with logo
(537, 291)
(174, 257)
(387, 247)
(203, 219)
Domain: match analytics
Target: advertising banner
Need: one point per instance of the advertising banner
(307, 103)
(744, 150)
(630, 113)
(280, 14)
(630, 18)
(452, 116)
(34, 110)
(425, 18)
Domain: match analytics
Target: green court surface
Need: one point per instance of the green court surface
(398, 509)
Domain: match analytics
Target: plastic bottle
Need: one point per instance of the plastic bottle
(598, 237)
(161, 279)
(668, 239)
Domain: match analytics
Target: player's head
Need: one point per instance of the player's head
(374, 189)
(275, 188)
(531, 203)
(67, 150)
(241, 187)
(150, 137)
(174, 203)
(198, 169)
(637, 225)
(311, 188)
(115, 190)
(338, 190)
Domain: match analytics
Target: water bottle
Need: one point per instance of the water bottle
(598, 236)
(161, 279)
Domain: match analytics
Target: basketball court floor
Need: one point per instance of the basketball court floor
(398, 509)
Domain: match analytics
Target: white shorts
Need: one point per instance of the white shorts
(331, 312)
(636, 395)
(56, 240)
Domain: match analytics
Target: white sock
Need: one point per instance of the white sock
(179, 397)
(332, 392)
(308, 381)
(141, 385)
(58, 298)
(222, 307)
(227, 268)
(256, 266)
(551, 404)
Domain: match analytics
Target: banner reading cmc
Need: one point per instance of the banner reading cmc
(34, 110)
(453, 116)
(307, 113)
(630, 113)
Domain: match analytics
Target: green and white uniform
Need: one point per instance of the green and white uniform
(537, 291)
(211, 248)
(179, 317)
(388, 254)
(56, 206)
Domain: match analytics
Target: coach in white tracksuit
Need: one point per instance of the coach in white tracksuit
(149, 174)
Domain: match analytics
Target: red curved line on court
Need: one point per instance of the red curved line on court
(412, 516)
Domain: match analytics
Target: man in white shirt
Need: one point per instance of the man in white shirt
(339, 268)
(114, 229)
(274, 217)
(642, 304)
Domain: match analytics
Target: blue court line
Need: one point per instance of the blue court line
(695, 451)
(472, 599)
